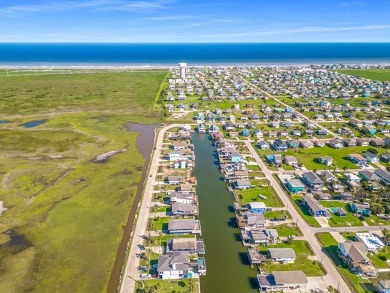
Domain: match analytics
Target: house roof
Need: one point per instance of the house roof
(368, 175)
(257, 205)
(290, 277)
(183, 224)
(182, 243)
(295, 183)
(383, 174)
(313, 177)
(174, 261)
(185, 207)
(291, 159)
(312, 203)
(241, 182)
(281, 253)
(384, 283)
(355, 250)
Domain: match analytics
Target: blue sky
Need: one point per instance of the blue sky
(172, 21)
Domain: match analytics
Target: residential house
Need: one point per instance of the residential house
(249, 219)
(263, 145)
(312, 180)
(291, 160)
(292, 143)
(183, 226)
(370, 130)
(371, 157)
(377, 142)
(325, 160)
(242, 184)
(383, 175)
(356, 123)
(190, 245)
(279, 145)
(295, 185)
(319, 143)
(181, 198)
(296, 132)
(360, 208)
(368, 176)
(281, 255)
(257, 207)
(335, 143)
(179, 145)
(384, 286)
(362, 142)
(175, 179)
(283, 280)
(358, 159)
(314, 207)
(349, 142)
(306, 144)
(183, 209)
(354, 255)
(175, 156)
(372, 243)
(173, 266)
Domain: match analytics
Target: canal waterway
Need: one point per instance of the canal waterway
(228, 268)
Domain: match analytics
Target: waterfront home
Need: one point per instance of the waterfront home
(279, 145)
(173, 266)
(335, 143)
(291, 160)
(183, 226)
(255, 257)
(186, 188)
(360, 208)
(354, 255)
(175, 156)
(249, 219)
(294, 185)
(235, 157)
(281, 255)
(306, 144)
(358, 159)
(384, 286)
(175, 179)
(259, 236)
(372, 243)
(181, 197)
(201, 128)
(242, 184)
(371, 157)
(383, 175)
(183, 209)
(325, 160)
(314, 207)
(257, 207)
(179, 145)
(190, 245)
(263, 145)
(283, 280)
(213, 128)
(312, 180)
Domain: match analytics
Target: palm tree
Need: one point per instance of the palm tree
(386, 236)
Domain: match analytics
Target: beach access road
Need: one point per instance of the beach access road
(131, 275)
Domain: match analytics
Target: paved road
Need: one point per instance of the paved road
(333, 277)
(131, 271)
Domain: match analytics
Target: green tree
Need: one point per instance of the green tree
(386, 236)
(377, 208)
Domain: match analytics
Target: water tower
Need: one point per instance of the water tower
(182, 68)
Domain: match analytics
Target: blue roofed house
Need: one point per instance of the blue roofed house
(235, 157)
(292, 143)
(361, 209)
(245, 133)
(295, 185)
(257, 207)
(279, 145)
(213, 128)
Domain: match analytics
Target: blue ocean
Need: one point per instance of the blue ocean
(195, 54)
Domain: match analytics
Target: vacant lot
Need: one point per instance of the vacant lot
(335, 220)
(252, 194)
(66, 212)
(374, 74)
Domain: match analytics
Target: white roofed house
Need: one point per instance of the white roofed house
(282, 255)
(371, 242)
(183, 209)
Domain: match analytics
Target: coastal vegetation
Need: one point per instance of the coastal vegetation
(65, 211)
(374, 74)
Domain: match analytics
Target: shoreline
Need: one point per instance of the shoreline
(107, 66)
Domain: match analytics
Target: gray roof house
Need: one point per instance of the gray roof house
(181, 226)
(173, 266)
(282, 255)
(179, 208)
(282, 280)
(312, 180)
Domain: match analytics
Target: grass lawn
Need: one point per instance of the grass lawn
(163, 239)
(168, 286)
(302, 210)
(277, 214)
(302, 250)
(373, 220)
(340, 156)
(252, 194)
(157, 224)
(336, 221)
(374, 74)
(68, 211)
(380, 259)
(355, 283)
(285, 230)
